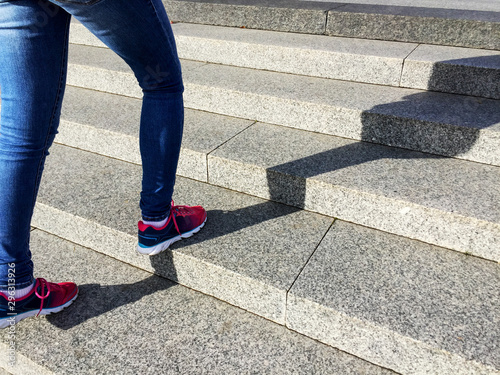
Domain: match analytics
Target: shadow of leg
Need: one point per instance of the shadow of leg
(94, 300)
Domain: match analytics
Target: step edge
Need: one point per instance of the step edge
(357, 336)
(55, 221)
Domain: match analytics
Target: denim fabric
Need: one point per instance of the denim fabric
(33, 62)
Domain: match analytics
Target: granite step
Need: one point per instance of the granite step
(256, 246)
(415, 308)
(473, 24)
(443, 201)
(398, 303)
(436, 68)
(464, 127)
(108, 124)
(127, 321)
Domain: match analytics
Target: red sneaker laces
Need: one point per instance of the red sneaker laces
(44, 284)
(180, 211)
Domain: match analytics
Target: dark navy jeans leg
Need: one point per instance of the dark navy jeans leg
(140, 32)
(33, 59)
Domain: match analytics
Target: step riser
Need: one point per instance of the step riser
(374, 343)
(22, 366)
(444, 76)
(238, 290)
(415, 29)
(357, 68)
(460, 142)
(399, 23)
(191, 164)
(423, 67)
(288, 18)
(310, 62)
(432, 226)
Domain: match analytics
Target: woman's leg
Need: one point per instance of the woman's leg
(139, 31)
(33, 58)
(33, 55)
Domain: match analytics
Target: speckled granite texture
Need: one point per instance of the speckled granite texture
(278, 15)
(109, 125)
(251, 252)
(248, 254)
(126, 321)
(452, 69)
(420, 298)
(456, 27)
(463, 28)
(445, 124)
(447, 202)
(456, 70)
(347, 59)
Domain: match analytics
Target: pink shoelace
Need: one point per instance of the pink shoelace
(45, 285)
(180, 211)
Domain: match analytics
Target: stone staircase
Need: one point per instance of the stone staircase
(352, 184)
(127, 321)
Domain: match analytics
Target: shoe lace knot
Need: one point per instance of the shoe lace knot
(178, 211)
(44, 286)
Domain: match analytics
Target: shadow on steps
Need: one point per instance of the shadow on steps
(379, 125)
(449, 126)
(94, 300)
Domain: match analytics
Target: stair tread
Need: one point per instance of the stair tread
(437, 68)
(265, 245)
(128, 321)
(457, 186)
(441, 298)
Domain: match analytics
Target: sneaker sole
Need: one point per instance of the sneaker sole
(157, 249)
(5, 322)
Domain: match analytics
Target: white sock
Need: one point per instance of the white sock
(156, 224)
(20, 292)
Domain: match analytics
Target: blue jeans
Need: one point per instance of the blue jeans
(33, 64)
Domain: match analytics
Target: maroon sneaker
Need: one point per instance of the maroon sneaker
(45, 298)
(183, 222)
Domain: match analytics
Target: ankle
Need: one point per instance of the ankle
(18, 292)
(156, 224)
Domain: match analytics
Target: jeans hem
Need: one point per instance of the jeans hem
(4, 288)
(156, 218)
